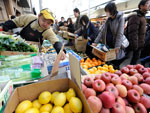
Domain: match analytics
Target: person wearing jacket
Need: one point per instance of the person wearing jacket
(88, 31)
(70, 25)
(77, 24)
(136, 30)
(112, 32)
(35, 28)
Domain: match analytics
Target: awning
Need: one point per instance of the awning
(23, 3)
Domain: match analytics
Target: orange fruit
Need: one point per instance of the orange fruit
(82, 60)
(99, 62)
(94, 59)
(103, 62)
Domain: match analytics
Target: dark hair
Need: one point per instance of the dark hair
(62, 17)
(85, 19)
(142, 2)
(12, 17)
(69, 19)
(18, 13)
(65, 21)
(111, 7)
(76, 10)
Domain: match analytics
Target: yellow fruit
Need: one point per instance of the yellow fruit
(60, 100)
(70, 93)
(32, 110)
(67, 109)
(45, 112)
(36, 104)
(23, 106)
(46, 108)
(54, 96)
(45, 97)
(75, 104)
(58, 109)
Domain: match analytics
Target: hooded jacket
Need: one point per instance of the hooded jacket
(136, 30)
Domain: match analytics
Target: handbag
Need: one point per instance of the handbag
(125, 42)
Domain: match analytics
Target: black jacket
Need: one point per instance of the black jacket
(71, 28)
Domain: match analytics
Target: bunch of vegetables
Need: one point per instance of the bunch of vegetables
(10, 43)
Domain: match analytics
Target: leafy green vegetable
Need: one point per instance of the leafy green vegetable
(9, 43)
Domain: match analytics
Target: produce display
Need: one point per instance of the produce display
(88, 63)
(94, 66)
(10, 43)
(125, 91)
(57, 102)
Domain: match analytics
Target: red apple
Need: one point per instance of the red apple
(110, 84)
(121, 101)
(145, 101)
(138, 89)
(114, 75)
(95, 104)
(140, 108)
(97, 77)
(133, 79)
(109, 97)
(118, 72)
(127, 84)
(126, 101)
(133, 71)
(106, 77)
(118, 108)
(145, 87)
(88, 81)
(138, 66)
(139, 77)
(116, 80)
(142, 70)
(122, 90)
(124, 77)
(147, 80)
(130, 66)
(113, 90)
(99, 85)
(146, 74)
(133, 96)
(83, 88)
(129, 109)
(89, 92)
(148, 69)
(125, 70)
(103, 110)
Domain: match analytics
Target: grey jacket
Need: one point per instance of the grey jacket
(117, 29)
(77, 25)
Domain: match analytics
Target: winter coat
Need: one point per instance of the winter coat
(136, 30)
(71, 28)
(77, 24)
(89, 31)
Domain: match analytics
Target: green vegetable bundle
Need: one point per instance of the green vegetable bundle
(9, 43)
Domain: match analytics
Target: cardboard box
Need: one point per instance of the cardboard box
(31, 92)
(105, 56)
(68, 35)
(9, 53)
(80, 44)
(7, 89)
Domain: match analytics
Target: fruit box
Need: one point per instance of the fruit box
(32, 91)
(105, 56)
(7, 89)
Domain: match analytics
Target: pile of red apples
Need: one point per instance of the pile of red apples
(126, 91)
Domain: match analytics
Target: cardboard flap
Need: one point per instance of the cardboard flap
(75, 70)
(56, 64)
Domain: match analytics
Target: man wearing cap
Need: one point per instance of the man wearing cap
(35, 28)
